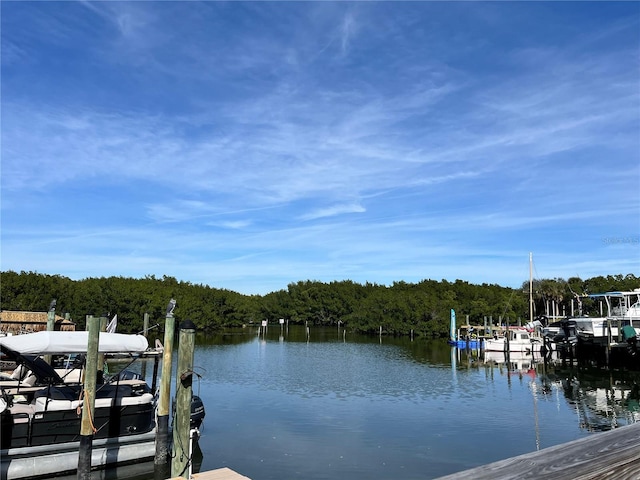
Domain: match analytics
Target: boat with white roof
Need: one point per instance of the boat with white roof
(39, 406)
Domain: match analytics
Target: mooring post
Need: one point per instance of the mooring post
(51, 316)
(154, 378)
(507, 348)
(145, 332)
(609, 340)
(87, 427)
(184, 380)
(51, 324)
(619, 330)
(103, 328)
(162, 432)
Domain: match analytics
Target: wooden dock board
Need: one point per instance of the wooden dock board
(614, 454)
(218, 474)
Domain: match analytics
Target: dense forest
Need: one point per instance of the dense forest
(423, 307)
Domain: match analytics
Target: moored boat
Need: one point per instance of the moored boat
(516, 339)
(621, 322)
(40, 423)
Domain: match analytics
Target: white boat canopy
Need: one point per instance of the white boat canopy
(59, 342)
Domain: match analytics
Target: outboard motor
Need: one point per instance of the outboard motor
(197, 411)
(630, 335)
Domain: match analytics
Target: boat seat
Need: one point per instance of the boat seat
(29, 380)
(19, 372)
(43, 403)
(47, 404)
(70, 376)
(21, 412)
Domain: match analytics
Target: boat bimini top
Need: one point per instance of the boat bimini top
(62, 343)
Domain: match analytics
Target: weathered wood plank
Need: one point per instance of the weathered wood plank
(612, 454)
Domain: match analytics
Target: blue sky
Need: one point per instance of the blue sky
(248, 145)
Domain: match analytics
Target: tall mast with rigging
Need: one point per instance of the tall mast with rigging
(531, 287)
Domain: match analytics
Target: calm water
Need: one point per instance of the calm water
(282, 407)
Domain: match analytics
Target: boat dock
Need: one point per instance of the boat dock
(611, 454)
(217, 474)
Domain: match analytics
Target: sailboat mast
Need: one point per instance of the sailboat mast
(531, 287)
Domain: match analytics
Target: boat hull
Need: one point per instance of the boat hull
(498, 346)
(515, 340)
(45, 461)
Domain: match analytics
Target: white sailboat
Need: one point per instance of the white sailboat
(519, 339)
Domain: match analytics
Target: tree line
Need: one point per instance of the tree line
(422, 308)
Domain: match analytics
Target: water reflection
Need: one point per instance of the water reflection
(284, 403)
(602, 402)
(138, 471)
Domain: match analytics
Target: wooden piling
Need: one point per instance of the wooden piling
(100, 363)
(145, 325)
(181, 462)
(507, 350)
(609, 340)
(164, 401)
(51, 324)
(145, 332)
(87, 428)
(51, 316)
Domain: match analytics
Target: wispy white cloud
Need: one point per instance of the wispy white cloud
(375, 142)
(333, 210)
(347, 31)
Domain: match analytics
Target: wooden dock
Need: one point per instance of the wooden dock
(614, 454)
(218, 474)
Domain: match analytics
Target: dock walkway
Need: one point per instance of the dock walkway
(217, 474)
(614, 454)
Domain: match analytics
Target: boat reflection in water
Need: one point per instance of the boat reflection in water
(602, 400)
(515, 362)
(141, 470)
(602, 403)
